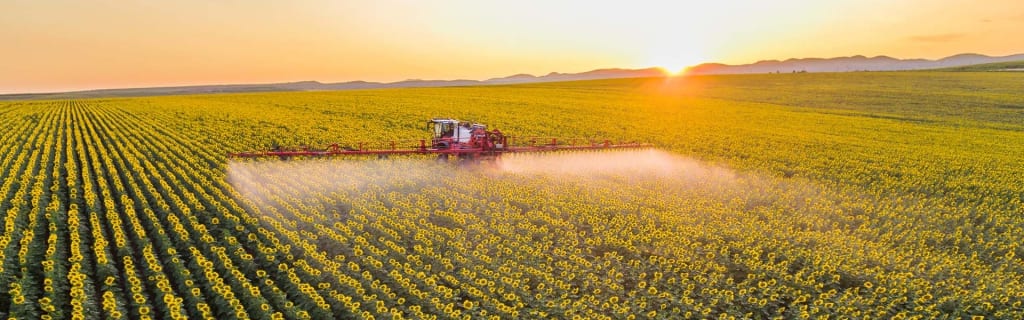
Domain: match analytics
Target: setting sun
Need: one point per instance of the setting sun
(675, 61)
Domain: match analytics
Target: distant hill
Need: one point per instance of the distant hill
(589, 75)
(961, 62)
(999, 66)
(318, 86)
(847, 64)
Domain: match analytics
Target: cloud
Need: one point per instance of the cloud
(945, 37)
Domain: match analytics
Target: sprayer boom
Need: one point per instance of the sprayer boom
(464, 140)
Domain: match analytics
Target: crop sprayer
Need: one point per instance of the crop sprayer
(466, 141)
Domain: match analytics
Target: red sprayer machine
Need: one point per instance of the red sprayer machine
(465, 141)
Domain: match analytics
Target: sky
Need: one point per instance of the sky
(65, 45)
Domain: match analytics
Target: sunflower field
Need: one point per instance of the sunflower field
(857, 195)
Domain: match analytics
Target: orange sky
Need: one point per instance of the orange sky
(58, 45)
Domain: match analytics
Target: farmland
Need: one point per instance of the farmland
(868, 195)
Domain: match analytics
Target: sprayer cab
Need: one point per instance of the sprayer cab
(455, 134)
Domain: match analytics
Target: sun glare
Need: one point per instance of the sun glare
(675, 62)
(673, 69)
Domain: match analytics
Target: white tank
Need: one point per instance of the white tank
(462, 134)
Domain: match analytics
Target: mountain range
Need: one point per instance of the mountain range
(841, 64)
(351, 85)
(848, 64)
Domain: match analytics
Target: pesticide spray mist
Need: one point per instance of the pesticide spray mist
(270, 181)
(651, 179)
(635, 163)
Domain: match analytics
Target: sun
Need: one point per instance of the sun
(674, 59)
(675, 65)
(673, 71)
